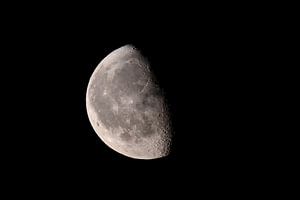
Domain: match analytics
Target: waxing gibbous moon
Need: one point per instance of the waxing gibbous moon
(126, 106)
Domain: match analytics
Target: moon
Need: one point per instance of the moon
(126, 106)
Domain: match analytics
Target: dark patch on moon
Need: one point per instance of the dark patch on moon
(124, 80)
(125, 136)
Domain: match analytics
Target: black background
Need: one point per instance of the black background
(205, 68)
(208, 63)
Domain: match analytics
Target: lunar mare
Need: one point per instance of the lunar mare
(126, 107)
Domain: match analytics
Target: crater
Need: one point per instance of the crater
(125, 137)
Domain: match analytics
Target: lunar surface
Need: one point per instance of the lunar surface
(126, 106)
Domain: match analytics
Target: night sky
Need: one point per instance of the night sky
(207, 65)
